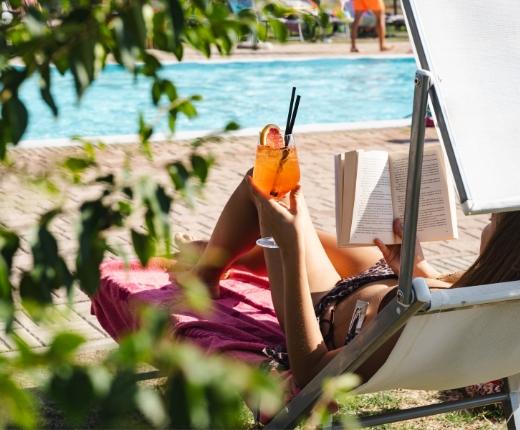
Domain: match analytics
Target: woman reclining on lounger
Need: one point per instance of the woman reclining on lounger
(315, 285)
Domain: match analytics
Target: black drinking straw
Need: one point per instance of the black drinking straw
(289, 115)
(294, 113)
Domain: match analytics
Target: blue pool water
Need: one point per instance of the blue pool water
(250, 93)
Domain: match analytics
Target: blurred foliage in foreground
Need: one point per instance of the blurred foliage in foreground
(78, 37)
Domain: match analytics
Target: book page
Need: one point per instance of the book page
(339, 168)
(350, 168)
(437, 218)
(372, 213)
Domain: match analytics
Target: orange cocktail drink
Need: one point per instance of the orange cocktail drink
(276, 170)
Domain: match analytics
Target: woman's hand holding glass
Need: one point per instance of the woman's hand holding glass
(281, 217)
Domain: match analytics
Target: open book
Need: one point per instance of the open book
(371, 190)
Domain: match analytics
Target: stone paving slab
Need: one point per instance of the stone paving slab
(21, 204)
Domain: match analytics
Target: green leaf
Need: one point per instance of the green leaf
(196, 293)
(130, 32)
(123, 53)
(35, 22)
(15, 118)
(145, 132)
(200, 166)
(18, 406)
(187, 108)
(155, 322)
(101, 379)
(133, 348)
(169, 89)
(9, 243)
(178, 51)
(156, 92)
(26, 356)
(125, 208)
(7, 313)
(172, 120)
(128, 192)
(71, 388)
(106, 179)
(120, 400)
(63, 345)
(31, 290)
(135, 27)
(164, 200)
(49, 271)
(151, 406)
(82, 63)
(45, 88)
(232, 126)
(261, 31)
(177, 17)
(177, 402)
(279, 29)
(95, 218)
(144, 246)
(151, 65)
(178, 174)
(157, 206)
(76, 165)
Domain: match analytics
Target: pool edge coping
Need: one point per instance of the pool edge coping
(189, 135)
(294, 58)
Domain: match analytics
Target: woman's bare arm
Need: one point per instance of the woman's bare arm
(304, 340)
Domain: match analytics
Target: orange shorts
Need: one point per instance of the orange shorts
(363, 5)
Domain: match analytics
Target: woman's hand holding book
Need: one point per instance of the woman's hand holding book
(392, 255)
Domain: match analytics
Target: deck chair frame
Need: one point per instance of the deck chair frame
(413, 296)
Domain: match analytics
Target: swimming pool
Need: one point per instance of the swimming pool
(251, 93)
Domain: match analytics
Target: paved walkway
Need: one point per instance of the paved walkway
(21, 203)
(336, 47)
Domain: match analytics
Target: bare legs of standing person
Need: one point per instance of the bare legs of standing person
(354, 30)
(380, 30)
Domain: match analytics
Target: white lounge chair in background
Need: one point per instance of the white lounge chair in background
(294, 25)
(7, 14)
(458, 337)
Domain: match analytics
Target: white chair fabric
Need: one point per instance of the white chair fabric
(458, 342)
(472, 50)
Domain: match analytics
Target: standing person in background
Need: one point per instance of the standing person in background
(378, 9)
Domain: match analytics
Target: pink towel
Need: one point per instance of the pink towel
(241, 323)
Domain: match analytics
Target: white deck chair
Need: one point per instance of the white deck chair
(237, 6)
(468, 60)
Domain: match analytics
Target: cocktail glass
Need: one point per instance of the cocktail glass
(276, 173)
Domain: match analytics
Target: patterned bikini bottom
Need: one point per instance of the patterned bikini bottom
(277, 355)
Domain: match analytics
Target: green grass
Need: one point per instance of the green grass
(487, 418)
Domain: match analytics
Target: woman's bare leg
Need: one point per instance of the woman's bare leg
(236, 232)
(347, 261)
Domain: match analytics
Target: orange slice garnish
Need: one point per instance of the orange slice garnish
(271, 136)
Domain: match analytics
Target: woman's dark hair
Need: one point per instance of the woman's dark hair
(500, 259)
